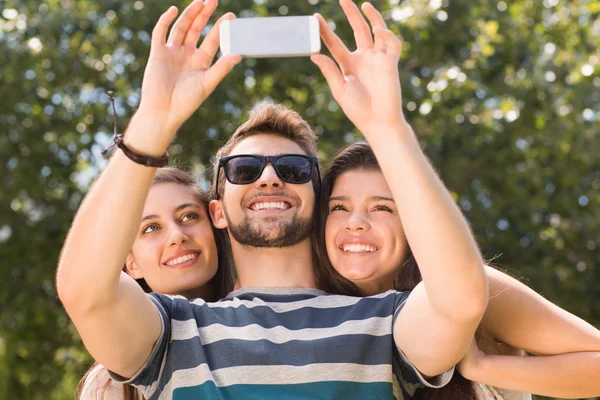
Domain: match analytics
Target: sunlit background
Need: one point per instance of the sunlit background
(505, 97)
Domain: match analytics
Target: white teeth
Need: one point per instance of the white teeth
(182, 259)
(270, 205)
(359, 248)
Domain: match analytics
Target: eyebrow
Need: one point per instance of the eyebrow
(370, 198)
(177, 209)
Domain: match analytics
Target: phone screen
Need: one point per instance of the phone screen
(270, 36)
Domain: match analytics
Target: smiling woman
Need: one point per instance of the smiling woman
(176, 251)
(365, 239)
(362, 246)
(355, 195)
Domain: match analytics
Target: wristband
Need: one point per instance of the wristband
(147, 161)
(119, 142)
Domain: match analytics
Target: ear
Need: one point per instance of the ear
(132, 269)
(217, 214)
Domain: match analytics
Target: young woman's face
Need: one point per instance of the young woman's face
(175, 249)
(363, 233)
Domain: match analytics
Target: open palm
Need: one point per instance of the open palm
(364, 82)
(179, 75)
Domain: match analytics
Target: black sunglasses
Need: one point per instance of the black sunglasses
(243, 169)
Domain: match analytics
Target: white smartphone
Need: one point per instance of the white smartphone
(270, 37)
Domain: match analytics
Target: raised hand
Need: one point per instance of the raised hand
(364, 82)
(179, 75)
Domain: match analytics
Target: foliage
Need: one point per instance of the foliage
(504, 96)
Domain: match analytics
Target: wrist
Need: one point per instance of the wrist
(475, 369)
(385, 130)
(149, 134)
(387, 139)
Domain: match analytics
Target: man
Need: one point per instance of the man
(277, 336)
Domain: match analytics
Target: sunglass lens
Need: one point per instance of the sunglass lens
(294, 169)
(241, 170)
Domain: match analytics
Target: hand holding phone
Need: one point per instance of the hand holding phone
(271, 37)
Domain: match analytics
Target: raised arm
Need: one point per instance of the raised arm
(436, 326)
(520, 317)
(116, 320)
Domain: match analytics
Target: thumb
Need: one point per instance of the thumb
(330, 71)
(220, 69)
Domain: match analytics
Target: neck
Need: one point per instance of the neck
(205, 292)
(376, 286)
(274, 267)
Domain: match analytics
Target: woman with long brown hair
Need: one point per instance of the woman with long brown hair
(363, 251)
(177, 251)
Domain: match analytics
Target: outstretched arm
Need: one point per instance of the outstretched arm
(437, 324)
(522, 318)
(116, 320)
(570, 375)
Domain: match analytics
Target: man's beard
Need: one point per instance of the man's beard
(281, 234)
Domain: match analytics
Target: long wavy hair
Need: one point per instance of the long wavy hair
(359, 156)
(222, 282)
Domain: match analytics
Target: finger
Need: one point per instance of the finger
(338, 49)
(211, 42)
(217, 72)
(184, 22)
(376, 20)
(362, 33)
(159, 33)
(373, 15)
(393, 44)
(193, 33)
(380, 45)
(330, 71)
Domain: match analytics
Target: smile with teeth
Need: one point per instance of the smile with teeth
(182, 259)
(359, 248)
(270, 205)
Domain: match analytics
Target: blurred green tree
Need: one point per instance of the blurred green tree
(504, 95)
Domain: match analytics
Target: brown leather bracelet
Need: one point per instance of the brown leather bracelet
(148, 161)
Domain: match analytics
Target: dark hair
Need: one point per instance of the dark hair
(270, 118)
(222, 281)
(355, 156)
(352, 157)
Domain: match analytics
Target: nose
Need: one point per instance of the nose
(357, 221)
(268, 179)
(177, 237)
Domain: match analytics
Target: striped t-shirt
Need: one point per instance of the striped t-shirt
(283, 343)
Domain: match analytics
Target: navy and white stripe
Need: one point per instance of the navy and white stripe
(283, 343)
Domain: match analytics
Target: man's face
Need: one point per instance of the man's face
(268, 212)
